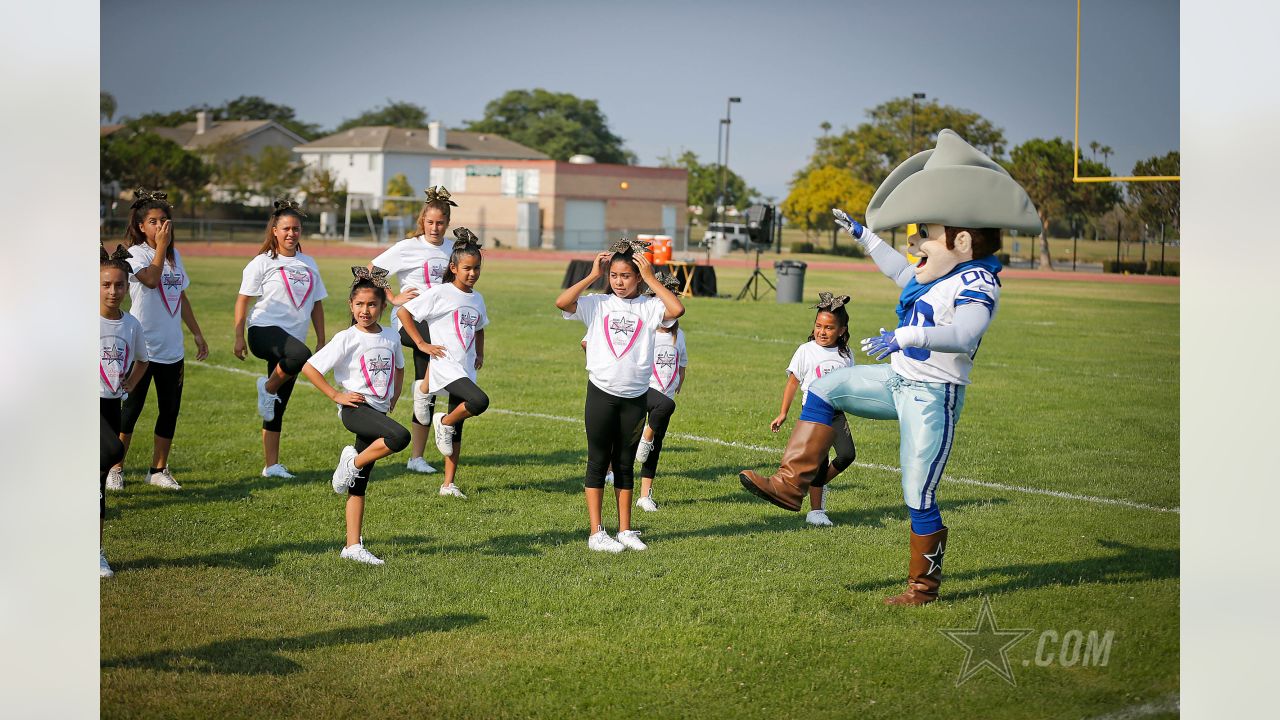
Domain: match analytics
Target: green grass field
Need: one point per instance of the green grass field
(230, 599)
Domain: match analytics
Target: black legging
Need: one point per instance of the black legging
(660, 407)
(464, 392)
(278, 347)
(111, 450)
(846, 451)
(169, 378)
(420, 362)
(613, 431)
(369, 425)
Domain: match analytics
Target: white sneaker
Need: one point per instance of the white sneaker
(608, 478)
(266, 401)
(104, 570)
(344, 476)
(419, 465)
(601, 542)
(164, 479)
(631, 540)
(647, 504)
(451, 491)
(276, 470)
(643, 449)
(421, 402)
(359, 554)
(444, 435)
(115, 479)
(818, 518)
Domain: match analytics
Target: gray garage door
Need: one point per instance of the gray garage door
(583, 225)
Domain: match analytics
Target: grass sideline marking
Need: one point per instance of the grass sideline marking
(773, 450)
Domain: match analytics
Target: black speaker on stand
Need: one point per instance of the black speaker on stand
(760, 222)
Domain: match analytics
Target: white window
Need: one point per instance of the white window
(519, 183)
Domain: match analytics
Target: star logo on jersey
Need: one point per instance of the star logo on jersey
(171, 291)
(465, 320)
(111, 364)
(433, 271)
(297, 283)
(377, 367)
(621, 329)
(113, 355)
(986, 645)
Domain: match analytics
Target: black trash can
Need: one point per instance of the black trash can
(790, 280)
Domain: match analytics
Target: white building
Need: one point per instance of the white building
(366, 158)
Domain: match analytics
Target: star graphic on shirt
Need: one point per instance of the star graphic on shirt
(379, 366)
(113, 355)
(171, 280)
(986, 645)
(622, 326)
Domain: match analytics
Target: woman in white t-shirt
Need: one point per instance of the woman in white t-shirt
(419, 264)
(158, 299)
(826, 350)
(621, 326)
(289, 289)
(456, 317)
(368, 366)
(122, 361)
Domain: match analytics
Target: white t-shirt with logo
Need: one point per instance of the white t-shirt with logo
(620, 340)
(415, 263)
(453, 318)
(120, 345)
(669, 355)
(159, 309)
(363, 362)
(811, 361)
(287, 289)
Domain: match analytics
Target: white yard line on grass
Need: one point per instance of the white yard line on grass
(1163, 706)
(773, 450)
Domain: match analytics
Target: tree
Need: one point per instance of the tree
(558, 124)
(135, 158)
(394, 113)
(812, 197)
(324, 190)
(245, 107)
(1158, 202)
(106, 106)
(1044, 169)
(704, 186)
(272, 174)
(398, 186)
(874, 148)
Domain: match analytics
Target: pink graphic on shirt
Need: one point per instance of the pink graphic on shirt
(111, 365)
(621, 330)
(465, 320)
(433, 271)
(377, 367)
(298, 283)
(171, 291)
(826, 367)
(666, 362)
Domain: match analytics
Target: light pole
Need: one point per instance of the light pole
(914, 98)
(728, 107)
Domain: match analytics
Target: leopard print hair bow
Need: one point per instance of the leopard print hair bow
(831, 303)
(286, 204)
(669, 281)
(377, 276)
(438, 193)
(117, 255)
(465, 237)
(629, 245)
(142, 195)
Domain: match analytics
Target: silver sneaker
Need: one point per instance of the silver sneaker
(104, 570)
(115, 479)
(818, 518)
(419, 465)
(643, 449)
(630, 539)
(421, 402)
(444, 435)
(164, 479)
(647, 504)
(359, 554)
(451, 491)
(344, 476)
(601, 542)
(277, 470)
(266, 401)
(608, 478)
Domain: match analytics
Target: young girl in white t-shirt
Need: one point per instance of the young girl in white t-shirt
(622, 325)
(122, 361)
(456, 317)
(419, 264)
(826, 350)
(670, 360)
(368, 366)
(288, 289)
(158, 299)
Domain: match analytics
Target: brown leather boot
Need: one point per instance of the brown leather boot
(805, 455)
(924, 573)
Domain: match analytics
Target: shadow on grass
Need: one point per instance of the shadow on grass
(1126, 564)
(219, 491)
(258, 557)
(264, 656)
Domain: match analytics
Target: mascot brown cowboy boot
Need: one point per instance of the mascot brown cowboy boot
(959, 200)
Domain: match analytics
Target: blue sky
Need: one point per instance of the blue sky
(662, 71)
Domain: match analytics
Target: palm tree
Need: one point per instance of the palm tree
(1106, 153)
(1093, 148)
(107, 106)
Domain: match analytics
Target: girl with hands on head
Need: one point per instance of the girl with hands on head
(368, 366)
